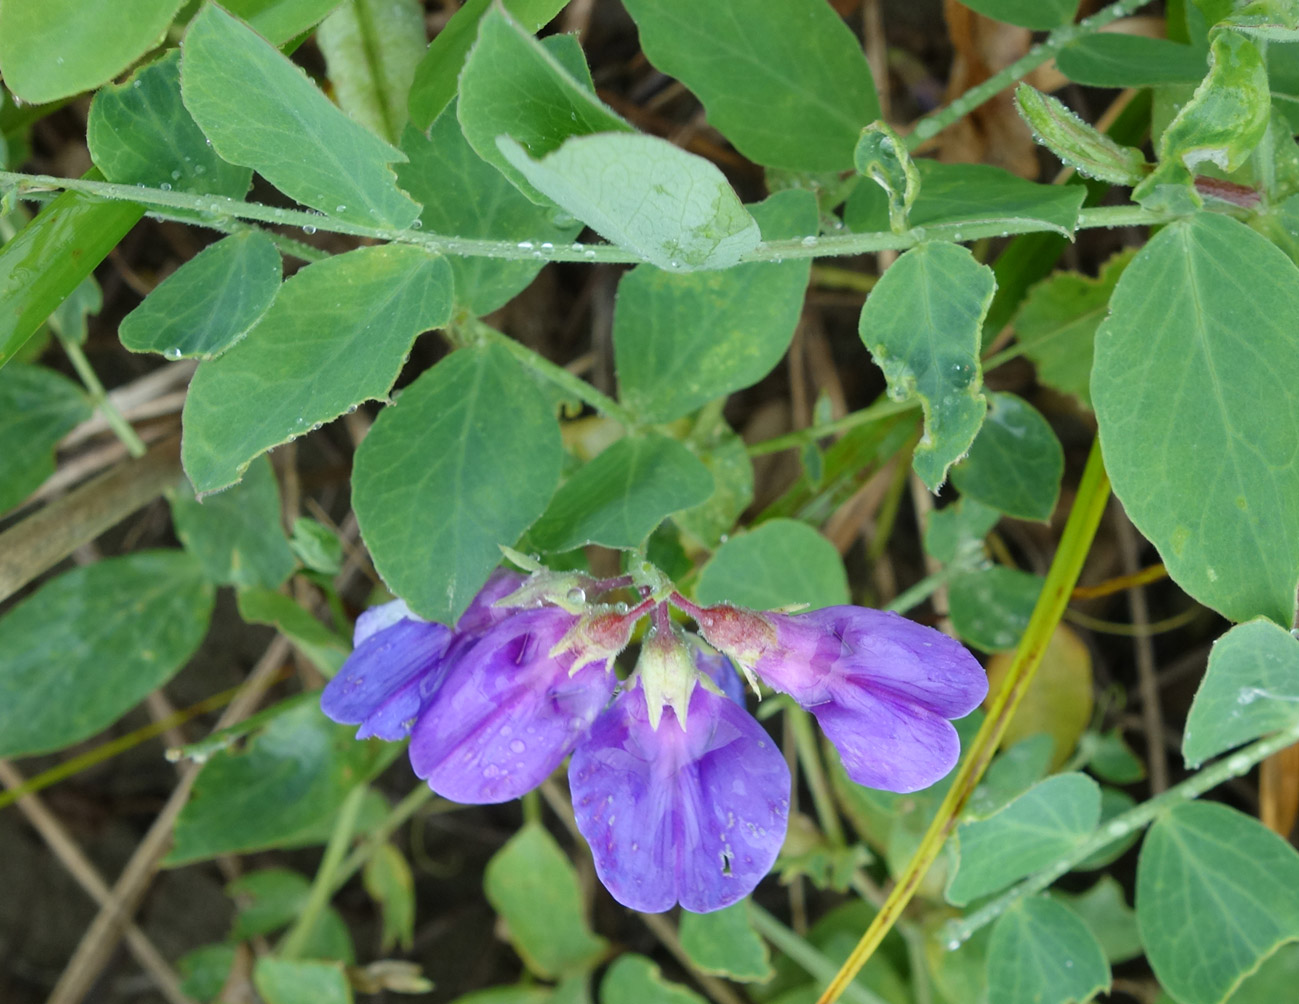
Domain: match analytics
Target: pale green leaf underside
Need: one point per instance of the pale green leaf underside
(261, 111)
(336, 335)
(922, 324)
(464, 462)
(1194, 388)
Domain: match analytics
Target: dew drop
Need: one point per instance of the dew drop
(577, 595)
(491, 770)
(416, 224)
(547, 246)
(165, 186)
(588, 253)
(340, 208)
(172, 353)
(518, 746)
(524, 245)
(809, 242)
(308, 229)
(175, 175)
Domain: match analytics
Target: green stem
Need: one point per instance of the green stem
(120, 426)
(217, 212)
(323, 885)
(470, 329)
(882, 408)
(955, 933)
(401, 812)
(809, 756)
(807, 957)
(922, 590)
(931, 125)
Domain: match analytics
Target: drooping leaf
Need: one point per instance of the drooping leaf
(465, 461)
(533, 886)
(618, 498)
(261, 111)
(1039, 14)
(1057, 323)
(336, 335)
(778, 563)
(236, 535)
(1047, 821)
(324, 647)
(89, 645)
(281, 789)
(464, 195)
(1111, 59)
(1076, 143)
(438, 71)
(922, 324)
(390, 883)
(724, 943)
(1015, 462)
(57, 48)
(675, 209)
(1193, 387)
(807, 88)
(371, 48)
(210, 302)
(140, 133)
(1041, 952)
(1215, 897)
(683, 340)
(882, 156)
(1250, 689)
(37, 408)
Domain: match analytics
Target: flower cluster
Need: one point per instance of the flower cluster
(680, 793)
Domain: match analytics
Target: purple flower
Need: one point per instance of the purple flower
(692, 815)
(882, 687)
(399, 661)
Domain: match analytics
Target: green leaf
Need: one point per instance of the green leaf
(724, 454)
(37, 408)
(267, 900)
(1113, 803)
(533, 886)
(237, 536)
(390, 883)
(325, 648)
(281, 789)
(1220, 125)
(781, 562)
(514, 86)
(51, 257)
(1215, 897)
(140, 134)
(807, 89)
(724, 943)
(1107, 914)
(1250, 689)
(922, 324)
(956, 195)
(1041, 825)
(957, 531)
(438, 72)
(1015, 462)
(990, 607)
(1013, 772)
(210, 302)
(1274, 20)
(464, 462)
(1041, 952)
(300, 981)
(643, 193)
(618, 498)
(337, 334)
(1057, 322)
(881, 156)
(69, 318)
(682, 340)
(635, 978)
(316, 546)
(1194, 391)
(519, 993)
(280, 21)
(1075, 142)
(1110, 758)
(464, 195)
(1273, 981)
(1111, 59)
(57, 48)
(1039, 14)
(203, 972)
(89, 645)
(371, 48)
(261, 111)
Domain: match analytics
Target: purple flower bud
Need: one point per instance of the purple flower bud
(399, 659)
(694, 815)
(882, 687)
(509, 711)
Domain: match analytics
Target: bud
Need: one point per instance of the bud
(667, 673)
(600, 633)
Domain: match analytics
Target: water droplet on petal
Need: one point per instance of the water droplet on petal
(518, 746)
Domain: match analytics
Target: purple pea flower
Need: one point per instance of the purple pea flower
(680, 803)
(882, 687)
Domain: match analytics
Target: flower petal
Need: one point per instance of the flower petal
(886, 742)
(481, 615)
(507, 714)
(385, 680)
(379, 618)
(695, 817)
(722, 672)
